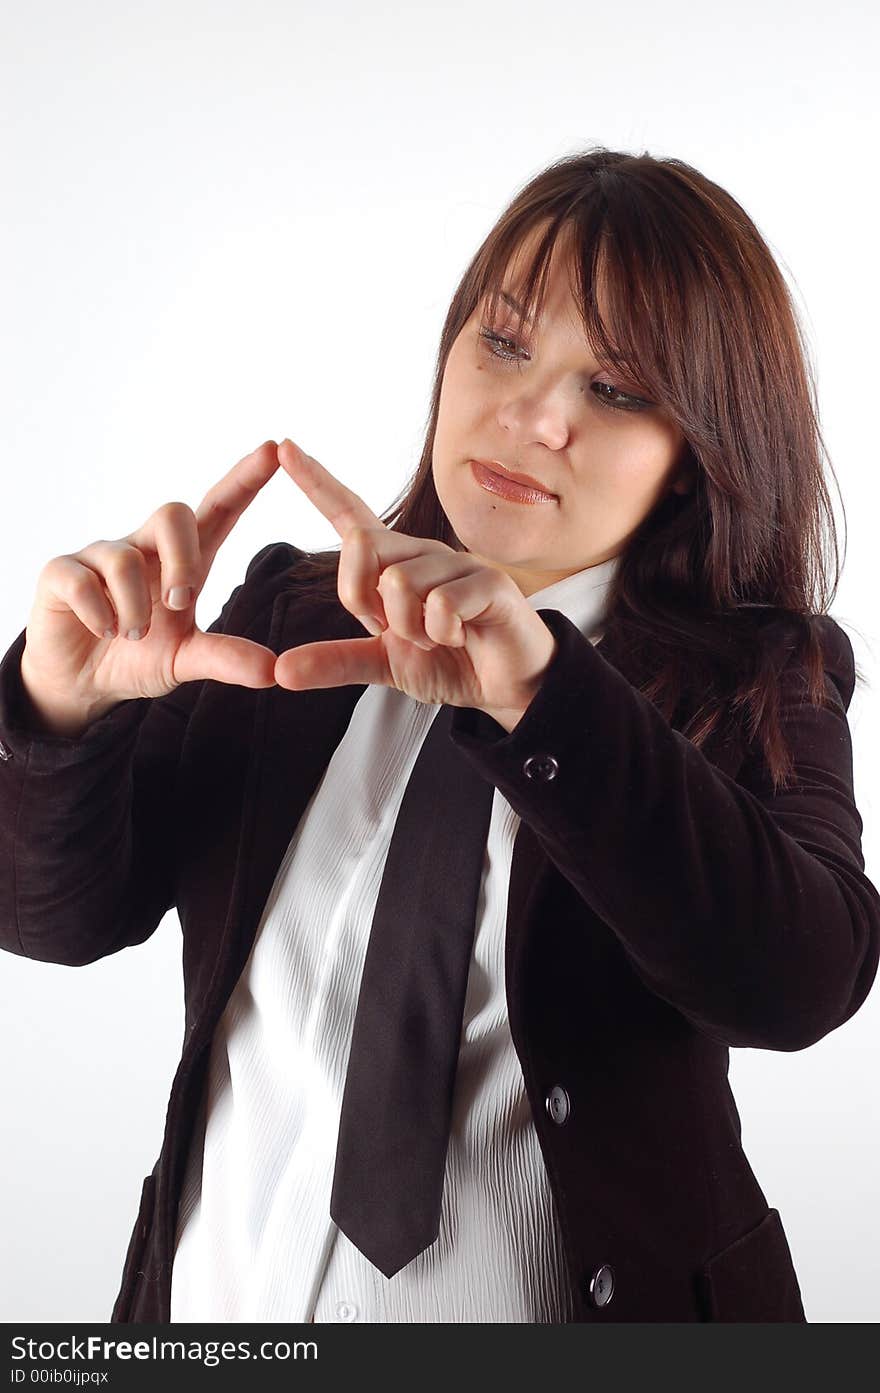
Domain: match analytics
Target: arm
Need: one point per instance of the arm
(748, 912)
(86, 857)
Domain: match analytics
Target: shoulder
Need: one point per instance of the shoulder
(269, 573)
(266, 577)
(812, 732)
(272, 563)
(837, 650)
(838, 658)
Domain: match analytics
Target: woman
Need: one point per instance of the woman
(634, 648)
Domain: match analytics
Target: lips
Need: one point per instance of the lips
(525, 479)
(517, 488)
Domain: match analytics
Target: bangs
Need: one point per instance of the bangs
(606, 272)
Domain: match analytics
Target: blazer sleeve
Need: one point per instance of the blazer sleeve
(86, 860)
(749, 912)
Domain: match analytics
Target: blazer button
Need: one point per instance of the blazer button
(558, 1103)
(601, 1285)
(542, 767)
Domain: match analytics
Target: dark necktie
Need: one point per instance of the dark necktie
(397, 1103)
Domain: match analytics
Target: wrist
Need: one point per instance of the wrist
(510, 716)
(49, 715)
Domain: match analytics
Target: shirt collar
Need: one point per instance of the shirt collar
(581, 597)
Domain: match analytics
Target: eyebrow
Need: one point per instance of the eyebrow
(614, 361)
(514, 304)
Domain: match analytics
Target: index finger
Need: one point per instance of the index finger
(226, 500)
(340, 505)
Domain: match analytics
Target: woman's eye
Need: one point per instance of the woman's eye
(497, 340)
(624, 400)
(619, 401)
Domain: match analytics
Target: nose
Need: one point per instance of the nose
(536, 415)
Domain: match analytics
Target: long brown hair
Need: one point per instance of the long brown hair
(699, 314)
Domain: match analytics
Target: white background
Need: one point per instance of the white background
(230, 222)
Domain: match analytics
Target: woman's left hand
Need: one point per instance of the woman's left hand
(450, 629)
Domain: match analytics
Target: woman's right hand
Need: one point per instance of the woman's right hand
(72, 672)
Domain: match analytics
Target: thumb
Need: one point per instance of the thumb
(224, 658)
(334, 663)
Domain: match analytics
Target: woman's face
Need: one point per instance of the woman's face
(553, 414)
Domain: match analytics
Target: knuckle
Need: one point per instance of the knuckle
(125, 561)
(176, 511)
(55, 567)
(439, 598)
(393, 577)
(82, 583)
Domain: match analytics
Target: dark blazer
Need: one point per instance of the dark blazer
(663, 906)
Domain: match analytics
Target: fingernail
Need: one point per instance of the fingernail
(179, 596)
(372, 625)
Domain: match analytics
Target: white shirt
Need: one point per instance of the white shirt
(255, 1241)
